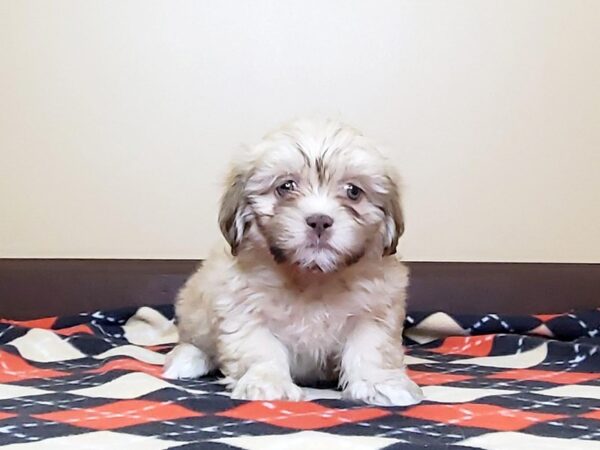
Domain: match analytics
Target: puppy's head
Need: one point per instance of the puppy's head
(315, 194)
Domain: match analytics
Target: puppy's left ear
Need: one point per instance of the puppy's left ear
(234, 215)
(394, 220)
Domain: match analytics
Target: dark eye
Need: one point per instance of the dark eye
(353, 192)
(287, 187)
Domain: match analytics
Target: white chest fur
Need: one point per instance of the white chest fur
(303, 322)
(313, 323)
(311, 316)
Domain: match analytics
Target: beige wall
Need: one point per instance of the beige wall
(117, 118)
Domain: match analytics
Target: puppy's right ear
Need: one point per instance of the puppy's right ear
(394, 220)
(234, 214)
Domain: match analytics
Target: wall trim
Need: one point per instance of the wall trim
(39, 287)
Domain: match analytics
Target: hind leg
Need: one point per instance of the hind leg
(187, 361)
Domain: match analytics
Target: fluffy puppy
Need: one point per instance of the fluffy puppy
(309, 288)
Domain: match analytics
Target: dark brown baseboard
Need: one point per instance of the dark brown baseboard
(39, 287)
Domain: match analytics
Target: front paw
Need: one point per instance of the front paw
(397, 391)
(265, 385)
(186, 361)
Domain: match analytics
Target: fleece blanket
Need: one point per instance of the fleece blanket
(490, 381)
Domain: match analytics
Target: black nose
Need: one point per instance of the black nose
(319, 223)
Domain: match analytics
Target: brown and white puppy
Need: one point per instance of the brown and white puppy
(308, 288)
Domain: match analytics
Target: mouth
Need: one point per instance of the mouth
(314, 268)
(321, 257)
(319, 246)
(318, 243)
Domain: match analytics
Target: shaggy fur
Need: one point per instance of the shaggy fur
(308, 289)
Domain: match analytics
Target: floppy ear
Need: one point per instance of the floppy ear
(394, 220)
(234, 214)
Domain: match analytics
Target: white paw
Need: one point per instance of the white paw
(397, 391)
(264, 385)
(186, 361)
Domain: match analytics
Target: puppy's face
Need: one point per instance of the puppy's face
(317, 195)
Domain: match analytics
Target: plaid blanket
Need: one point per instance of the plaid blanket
(491, 382)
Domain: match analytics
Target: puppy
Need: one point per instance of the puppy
(309, 288)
